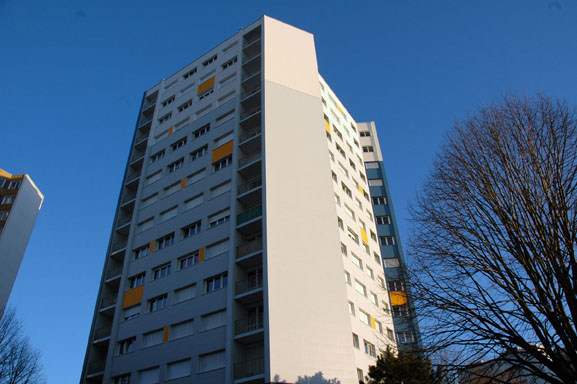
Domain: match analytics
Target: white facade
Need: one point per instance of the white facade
(227, 233)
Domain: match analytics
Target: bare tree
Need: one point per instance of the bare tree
(494, 240)
(19, 362)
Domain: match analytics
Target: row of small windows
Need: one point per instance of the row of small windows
(188, 292)
(174, 370)
(9, 184)
(9, 199)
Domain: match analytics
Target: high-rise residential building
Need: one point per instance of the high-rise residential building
(407, 331)
(20, 202)
(244, 247)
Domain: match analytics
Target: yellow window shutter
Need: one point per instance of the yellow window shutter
(364, 236)
(201, 254)
(222, 151)
(398, 298)
(327, 126)
(133, 296)
(205, 86)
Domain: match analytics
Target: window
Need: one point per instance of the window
(188, 260)
(149, 200)
(373, 298)
(396, 286)
(370, 349)
(382, 220)
(223, 139)
(168, 101)
(392, 263)
(132, 312)
(216, 249)
(334, 176)
(211, 361)
(152, 338)
(209, 60)
(381, 282)
(124, 379)
(344, 249)
(185, 293)
(352, 164)
(341, 151)
(152, 178)
(357, 261)
(221, 164)
(180, 330)
(356, 343)
(215, 283)
(390, 334)
(380, 200)
(199, 175)
(178, 369)
(158, 303)
(340, 222)
(360, 375)
(157, 156)
(213, 320)
(175, 165)
(200, 152)
(179, 144)
(3, 215)
(373, 236)
(337, 199)
(191, 229)
(360, 288)
(377, 258)
(148, 376)
(189, 73)
(347, 278)
(126, 346)
(365, 318)
(379, 326)
(168, 214)
(140, 252)
(353, 236)
(351, 308)
(229, 63)
(372, 165)
(160, 272)
(346, 189)
(201, 131)
(203, 95)
(165, 241)
(349, 212)
(184, 105)
(136, 281)
(365, 133)
(370, 273)
(387, 240)
(220, 189)
(375, 183)
(219, 218)
(193, 202)
(400, 310)
(368, 148)
(405, 337)
(172, 189)
(164, 118)
(7, 199)
(331, 156)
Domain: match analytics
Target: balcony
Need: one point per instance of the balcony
(144, 122)
(247, 114)
(132, 181)
(108, 305)
(113, 275)
(118, 248)
(249, 290)
(250, 164)
(102, 335)
(248, 370)
(250, 193)
(252, 49)
(140, 142)
(249, 255)
(146, 108)
(95, 368)
(250, 329)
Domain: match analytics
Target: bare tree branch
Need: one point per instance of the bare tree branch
(494, 240)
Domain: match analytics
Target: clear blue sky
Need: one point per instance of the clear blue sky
(72, 75)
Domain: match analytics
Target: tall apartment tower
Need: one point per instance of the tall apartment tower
(244, 247)
(20, 202)
(408, 335)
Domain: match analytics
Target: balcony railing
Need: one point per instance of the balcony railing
(114, 271)
(254, 183)
(107, 301)
(248, 94)
(123, 220)
(246, 136)
(118, 246)
(248, 248)
(249, 215)
(103, 332)
(143, 122)
(252, 111)
(249, 368)
(148, 105)
(249, 324)
(248, 284)
(249, 158)
(96, 366)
